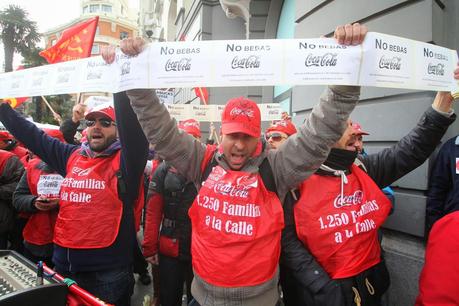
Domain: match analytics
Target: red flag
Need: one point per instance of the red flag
(202, 93)
(75, 42)
(15, 102)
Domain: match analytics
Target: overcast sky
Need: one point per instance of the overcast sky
(48, 14)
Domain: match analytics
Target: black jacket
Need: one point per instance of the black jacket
(384, 168)
(10, 173)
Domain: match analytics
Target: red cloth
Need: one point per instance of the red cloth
(153, 217)
(284, 126)
(241, 115)
(75, 42)
(438, 284)
(234, 216)
(202, 93)
(40, 226)
(191, 126)
(341, 230)
(90, 209)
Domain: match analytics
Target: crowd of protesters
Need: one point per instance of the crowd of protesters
(229, 221)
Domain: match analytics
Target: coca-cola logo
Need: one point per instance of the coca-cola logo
(248, 112)
(325, 60)
(438, 69)
(252, 61)
(80, 172)
(191, 124)
(349, 200)
(183, 64)
(393, 63)
(227, 189)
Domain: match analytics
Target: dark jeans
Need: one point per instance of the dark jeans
(113, 286)
(292, 292)
(3, 241)
(173, 273)
(140, 264)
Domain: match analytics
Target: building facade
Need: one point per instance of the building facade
(116, 21)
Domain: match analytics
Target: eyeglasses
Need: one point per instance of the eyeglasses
(276, 137)
(105, 123)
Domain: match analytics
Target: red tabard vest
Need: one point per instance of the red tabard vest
(236, 229)
(341, 232)
(39, 229)
(90, 210)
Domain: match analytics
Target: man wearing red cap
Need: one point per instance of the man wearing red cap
(237, 216)
(37, 196)
(358, 132)
(277, 133)
(94, 235)
(170, 196)
(8, 143)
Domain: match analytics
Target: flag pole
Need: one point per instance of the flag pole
(56, 115)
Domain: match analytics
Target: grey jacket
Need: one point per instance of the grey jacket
(298, 158)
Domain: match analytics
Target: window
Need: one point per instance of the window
(106, 8)
(85, 9)
(97, 30)
(124, 35)
(95, 49)
(94, 8)
(122, 10)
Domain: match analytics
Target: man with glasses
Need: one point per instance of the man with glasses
(94, 234)
(277, 133)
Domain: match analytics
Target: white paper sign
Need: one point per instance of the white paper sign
(49, 185)
(321, 61)
(249, 61)
(382, 60)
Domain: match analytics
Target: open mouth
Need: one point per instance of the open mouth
(237, 159)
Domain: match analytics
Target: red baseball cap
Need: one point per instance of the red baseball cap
(55, 134)
(4, 135)
(101, 110)
(284, 126)
(241, 115)
(190, 126)
(357, 129)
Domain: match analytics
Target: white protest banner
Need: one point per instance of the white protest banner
(179, 111)
(382, 60)
(270, 111)
(165, 96)
(204, 113)
(186, 63)
(94, 101)
(321, 61)
(250, 61)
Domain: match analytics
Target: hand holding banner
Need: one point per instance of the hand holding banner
(382, 60)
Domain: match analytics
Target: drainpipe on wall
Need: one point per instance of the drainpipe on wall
(238, 8)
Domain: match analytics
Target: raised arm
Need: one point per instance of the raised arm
(134, 145)
(50, 150)
(411, 151)
(176, 147)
